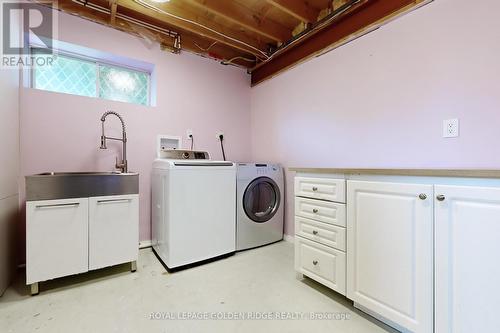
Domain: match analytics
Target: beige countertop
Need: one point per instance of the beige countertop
(474, 173)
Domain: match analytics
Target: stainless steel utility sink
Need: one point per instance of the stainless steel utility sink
(66, 185)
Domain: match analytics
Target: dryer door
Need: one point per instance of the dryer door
(261, 199)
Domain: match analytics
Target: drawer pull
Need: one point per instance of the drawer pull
(315, 210)
(315, 189)
(315, 262)
(59, 205)
(422, 196)
(315, 232)
(440, 197)
(113, 201)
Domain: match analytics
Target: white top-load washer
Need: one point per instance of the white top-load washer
(259, 205)
(193, 207)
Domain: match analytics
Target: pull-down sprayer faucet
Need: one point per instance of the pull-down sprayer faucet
(123, 166)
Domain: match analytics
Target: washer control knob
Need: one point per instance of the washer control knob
(185, 155)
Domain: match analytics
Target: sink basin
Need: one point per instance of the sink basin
(66, 185)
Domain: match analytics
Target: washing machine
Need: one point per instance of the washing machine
(193, 213)
(260, 202)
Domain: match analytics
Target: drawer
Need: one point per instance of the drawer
(321, 188)
(321, 263)
(326, 234)
(323, 211)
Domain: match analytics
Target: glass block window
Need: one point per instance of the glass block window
(67, 75)
(78, 76)
(119, 84)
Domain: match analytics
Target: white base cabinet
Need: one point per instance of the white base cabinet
(320, 220)
(113, 230)
(390, 251)
(56, 238)
(419, 253)
(467, 247)
(71, 236)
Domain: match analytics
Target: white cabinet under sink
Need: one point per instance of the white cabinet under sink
(71, 236)
(390, 251)
(113, 230)
(56, 238)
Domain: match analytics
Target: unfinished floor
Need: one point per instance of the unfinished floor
(114, 300)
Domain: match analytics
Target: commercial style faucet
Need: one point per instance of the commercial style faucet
(123, 165)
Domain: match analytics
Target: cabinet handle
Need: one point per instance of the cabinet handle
(59, 205)
(315, 232)
(315, 189)
(440, 197)
(113, 201)
(315, 210)
(422, 196)
(315, 262)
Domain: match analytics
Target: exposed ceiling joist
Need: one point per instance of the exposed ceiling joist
(299, 9)
(114, 6)
(240, 15)
(264, 36)
(171, 14)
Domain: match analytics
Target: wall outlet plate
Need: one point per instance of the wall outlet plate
(451, 128)
(189, 133)
(219, 134)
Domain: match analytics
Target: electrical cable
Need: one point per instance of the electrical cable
(205, 49)
(230, 61)
(221, 138)
(192, 141)
(156, 9)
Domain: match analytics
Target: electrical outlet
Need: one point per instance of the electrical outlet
(219, 134)
(451, 128)
(189, 133)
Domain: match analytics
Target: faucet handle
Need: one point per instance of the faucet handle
(122, 165)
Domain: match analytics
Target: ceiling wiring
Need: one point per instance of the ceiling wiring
(156, 9)
(205, 49)
(230, 61)
(319, 25)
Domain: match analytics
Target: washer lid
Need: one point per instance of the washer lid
(261, 199)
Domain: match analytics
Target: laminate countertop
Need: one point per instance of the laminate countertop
(472, 173)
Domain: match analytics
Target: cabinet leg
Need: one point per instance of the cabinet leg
(34, 289)
(133, 266)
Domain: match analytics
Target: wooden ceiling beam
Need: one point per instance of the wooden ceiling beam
(299, 9)
(235, 39)
(355, 22)
(238, 14)
(190, 42)
(113, 5)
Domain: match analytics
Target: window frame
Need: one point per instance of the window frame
(98, 63)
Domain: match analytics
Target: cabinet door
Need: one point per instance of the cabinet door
(390, 252)
(467, 247)
(113, 230)
(56, 238)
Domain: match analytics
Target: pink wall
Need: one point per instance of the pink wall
(62, 132)
(380, 100)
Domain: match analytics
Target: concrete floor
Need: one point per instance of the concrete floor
(114, 300)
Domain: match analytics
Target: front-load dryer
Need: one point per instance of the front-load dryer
(260, 202)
